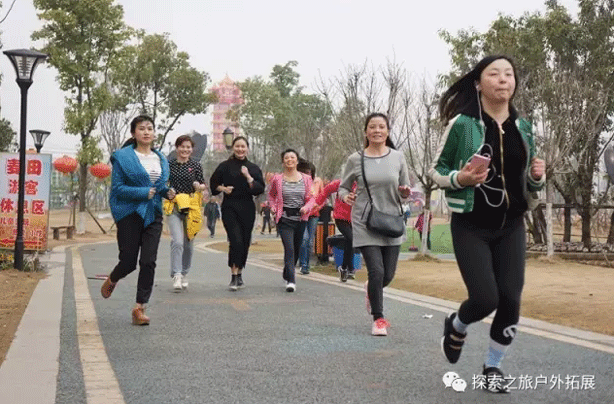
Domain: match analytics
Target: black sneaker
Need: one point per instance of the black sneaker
(452, 340)
(240, 283)
(351, 275)
(343, 274)
(233, 284)
(495, 381)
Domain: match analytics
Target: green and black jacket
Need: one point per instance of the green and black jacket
(463, 137)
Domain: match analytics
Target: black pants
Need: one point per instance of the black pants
(291, 232)
(238, 217)
(345, 228)
(133, 237)
(492, 265)
(266, 220)
(381, 262)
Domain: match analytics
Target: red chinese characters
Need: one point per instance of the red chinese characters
(34, 167)
(7, 205)
(31, 187)
(12, 166)
(13, 186)
(38, 207)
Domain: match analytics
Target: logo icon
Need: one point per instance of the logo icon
(452, 379)
(459, 385)
(510, 331)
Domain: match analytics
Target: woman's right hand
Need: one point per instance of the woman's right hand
(152, 192)
(470, 176)
(227, 190)
(350, 198)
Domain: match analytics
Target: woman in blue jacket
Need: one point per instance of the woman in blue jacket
(488, 196)
(139, 181)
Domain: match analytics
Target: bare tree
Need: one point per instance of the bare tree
(571, 140)
(114, 126)
(357, 91)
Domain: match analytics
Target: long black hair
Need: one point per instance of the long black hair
(372, 115)
(464, 93)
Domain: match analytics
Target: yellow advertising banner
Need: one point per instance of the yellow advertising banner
(36, 200)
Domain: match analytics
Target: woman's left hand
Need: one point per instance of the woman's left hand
(198, 187)
(405, 191)
(538, 168)
(304, 210)
(170, 195)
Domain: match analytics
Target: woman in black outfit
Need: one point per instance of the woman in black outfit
(240, 180)
(488, 201)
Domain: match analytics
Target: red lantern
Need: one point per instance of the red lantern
(66, 164)
(100, 170)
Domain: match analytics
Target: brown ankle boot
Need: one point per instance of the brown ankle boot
(139, 317)
(107, 288)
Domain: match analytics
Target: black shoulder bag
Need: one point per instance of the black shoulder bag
(380, 222)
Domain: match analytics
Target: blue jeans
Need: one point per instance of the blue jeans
(181, 246)
(307, 245)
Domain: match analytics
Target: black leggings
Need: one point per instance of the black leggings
(492, 265)
(238, 217)
(381, 264)
(345, 228)
(132, 238)
(292, 232)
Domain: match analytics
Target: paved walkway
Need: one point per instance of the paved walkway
(263, 345)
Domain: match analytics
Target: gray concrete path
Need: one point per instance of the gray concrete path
(264, 345)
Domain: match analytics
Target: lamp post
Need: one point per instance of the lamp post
(24, 61)
(39, 137)
(228, 138)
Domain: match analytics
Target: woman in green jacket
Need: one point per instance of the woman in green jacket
(488, 197)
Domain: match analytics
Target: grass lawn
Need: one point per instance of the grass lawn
(441, 239)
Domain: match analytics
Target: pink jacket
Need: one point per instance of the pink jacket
(276, 200)
(341, 210)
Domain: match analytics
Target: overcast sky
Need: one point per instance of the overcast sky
(244, 38)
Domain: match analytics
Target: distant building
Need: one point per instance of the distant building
(228, 95)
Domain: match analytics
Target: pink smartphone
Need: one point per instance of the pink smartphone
(479, 161)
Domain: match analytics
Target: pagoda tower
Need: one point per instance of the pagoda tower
(228, 95)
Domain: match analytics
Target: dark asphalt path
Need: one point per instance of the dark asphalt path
(264, 345)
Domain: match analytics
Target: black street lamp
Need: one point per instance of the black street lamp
(39, 137)
(228, 138)
(24, 61)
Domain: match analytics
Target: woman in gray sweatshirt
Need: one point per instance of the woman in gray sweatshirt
(388, 179)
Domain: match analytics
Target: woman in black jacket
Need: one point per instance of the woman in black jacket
(239, 180)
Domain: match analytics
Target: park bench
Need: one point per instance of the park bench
(70, 231)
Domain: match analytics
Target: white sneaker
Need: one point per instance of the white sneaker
(290, 287)
(380, 327)
(184, 282)
(177, 282)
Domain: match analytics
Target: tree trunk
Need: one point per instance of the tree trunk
(537, 236)
(426, 224)
(549, 232)
(586, 225)
(82, 202)
(611, 234)
(567, 222)
(541, 224)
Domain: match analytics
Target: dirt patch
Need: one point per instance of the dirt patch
(16, 288)
(557, 291)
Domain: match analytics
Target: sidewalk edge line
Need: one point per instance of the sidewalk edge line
(97, 370)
